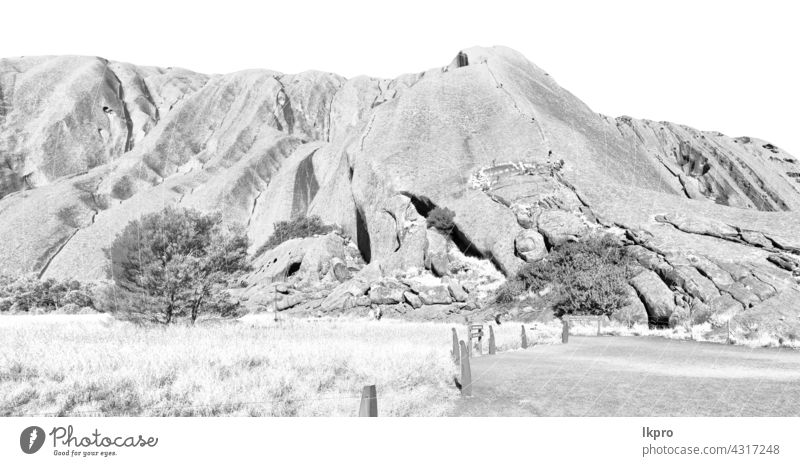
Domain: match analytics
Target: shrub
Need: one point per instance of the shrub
(590, 276)
(22, 294)
(301, 227)
(441, 219)
(177, 262)
(509, 291)
(123, 189)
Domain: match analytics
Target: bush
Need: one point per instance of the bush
(509, 291)
(124, 188)
(23, 294)
(441, 219)
(589, 276)
(176, 262)
(301, 227)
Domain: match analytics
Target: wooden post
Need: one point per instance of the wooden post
(369, 402)
(466, 373)
(565, 331)
(524, 337)
(599, 322)
(729, 331)
(469, 340)
(492, 347)
(456, 352)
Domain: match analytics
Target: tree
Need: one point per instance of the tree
(588, 276)
(441, 219)
(179, 259)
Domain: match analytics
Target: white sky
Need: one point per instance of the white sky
(726, 66)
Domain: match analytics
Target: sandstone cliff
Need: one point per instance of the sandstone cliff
(87, 144)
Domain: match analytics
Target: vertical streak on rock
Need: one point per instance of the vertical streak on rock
(60, 248)
(125, 113)
(305, 186)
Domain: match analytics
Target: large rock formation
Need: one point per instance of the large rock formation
(87, 145)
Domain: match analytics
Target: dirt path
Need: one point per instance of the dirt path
(635, 376)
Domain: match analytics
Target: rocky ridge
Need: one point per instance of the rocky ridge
(88, 144)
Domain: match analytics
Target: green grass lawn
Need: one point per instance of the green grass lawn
(636, 376)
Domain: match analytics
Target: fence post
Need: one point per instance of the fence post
(599, 323)
(469, 340)
(466, 373)
(565, 331)
(492, 347)
(524, 337)
(369, 402)
(729, 332)
(456, 351)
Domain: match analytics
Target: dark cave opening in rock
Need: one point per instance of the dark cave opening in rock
(424, 207)
(465, 245)
(362, 237)
(294, 267)
(421, 203)
(462, 60)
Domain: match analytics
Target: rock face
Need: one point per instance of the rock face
(88, 144)
(658, 300)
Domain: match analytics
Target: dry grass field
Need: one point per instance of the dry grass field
(94, 365)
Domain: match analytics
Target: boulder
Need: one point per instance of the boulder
(559, 226)
(700, 312)
(340, 271)
(696, 284)
(289, 301)
(657, 298)
(680, 317)
(632, 313)
(305, 258)
(437, 242)
(457, 291)
(362, 301)
(437, 294)
(440, 265)
(409, 243)
(357, 286)
(436, 256)
(412, 299)
(530, 245)
(387, 292)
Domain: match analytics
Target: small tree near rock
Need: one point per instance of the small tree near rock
(178, 261)
(589, 276)
(441, 219)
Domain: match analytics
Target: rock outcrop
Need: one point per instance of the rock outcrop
(88, 144)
